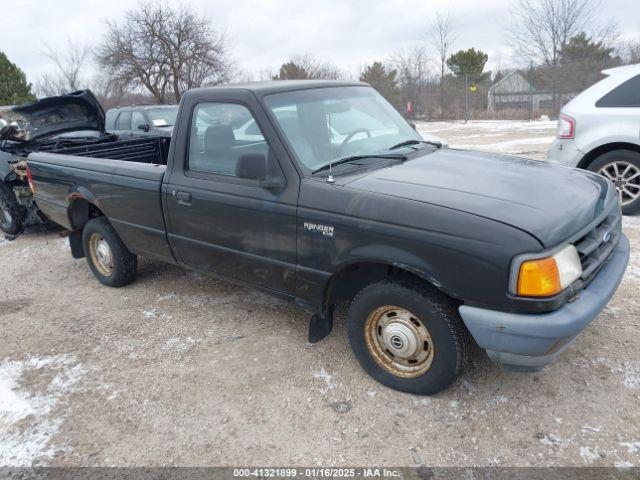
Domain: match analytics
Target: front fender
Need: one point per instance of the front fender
(392, 256)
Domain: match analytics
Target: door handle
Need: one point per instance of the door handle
(183, 197)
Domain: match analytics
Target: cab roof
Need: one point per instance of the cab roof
(273, 86)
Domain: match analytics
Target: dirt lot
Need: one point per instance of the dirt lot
(179, 369)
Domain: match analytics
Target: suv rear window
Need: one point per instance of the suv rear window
(626, 94)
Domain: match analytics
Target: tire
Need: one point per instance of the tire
(443, 351)
(11, 213)
(627, 179)
(109, 259)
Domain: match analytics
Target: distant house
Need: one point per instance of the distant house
(514, 91)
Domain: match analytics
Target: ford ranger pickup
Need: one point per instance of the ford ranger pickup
(334, 198)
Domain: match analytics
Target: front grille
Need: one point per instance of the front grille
(597, 244)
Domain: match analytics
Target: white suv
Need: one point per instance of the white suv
(599, 130)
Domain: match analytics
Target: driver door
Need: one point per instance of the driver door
(219, 222)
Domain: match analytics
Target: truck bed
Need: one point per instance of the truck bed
(127, 191)
(139, 150)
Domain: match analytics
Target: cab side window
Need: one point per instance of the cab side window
(137, 119)
(123, 121)
(222, 133)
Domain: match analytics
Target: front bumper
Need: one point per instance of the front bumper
(528, 342)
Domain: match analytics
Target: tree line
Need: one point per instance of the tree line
(159, 51)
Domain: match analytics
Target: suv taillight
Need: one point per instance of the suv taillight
(566, 126)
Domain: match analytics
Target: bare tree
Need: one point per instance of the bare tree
(630, 51)
(413, 74)
(67, 75)
(165, 50)
(541, 29)
(441, 35)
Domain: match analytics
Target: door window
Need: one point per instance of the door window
(137, 119)
(124, 121)
(221, 133)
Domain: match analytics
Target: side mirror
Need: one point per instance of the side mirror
(255, 166)
(144, 127)
(413, 125)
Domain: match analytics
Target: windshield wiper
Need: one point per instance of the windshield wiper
(413, 141)
(353, 158)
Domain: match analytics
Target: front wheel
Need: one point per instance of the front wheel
(622, 167)
(11, 213)
(108, 257)
(407, 336)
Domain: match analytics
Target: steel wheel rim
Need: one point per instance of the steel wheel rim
(626, 178)
(399, 341)
(101, 254)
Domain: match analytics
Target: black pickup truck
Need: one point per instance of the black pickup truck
(332, 196)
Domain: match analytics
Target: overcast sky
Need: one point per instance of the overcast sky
(264, 33)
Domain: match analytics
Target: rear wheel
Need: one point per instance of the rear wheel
(11, 213)
(622, 168)
(407, 336)
(108, 257)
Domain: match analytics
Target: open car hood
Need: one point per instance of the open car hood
(55, 115)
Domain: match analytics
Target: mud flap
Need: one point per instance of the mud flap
(75, 242)
(320, 325)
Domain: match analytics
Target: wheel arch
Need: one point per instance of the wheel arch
(352, 276)
(83, 206)
(602, 149)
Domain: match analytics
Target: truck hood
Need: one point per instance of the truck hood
(545, 200)
(55, 115)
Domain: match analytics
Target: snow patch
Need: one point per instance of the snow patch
(322, 374)
(488, 125)
(632, 447)
(588, 455)
(153, 313)
(630, 372)
(554, 441)
(588, 428)
(26, 422)
(509, 146)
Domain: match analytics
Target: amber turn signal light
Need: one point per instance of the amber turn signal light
(539, 278)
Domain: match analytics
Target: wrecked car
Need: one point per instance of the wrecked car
(432, 248)
(74, 120)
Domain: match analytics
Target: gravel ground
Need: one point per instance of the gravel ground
(179, 369)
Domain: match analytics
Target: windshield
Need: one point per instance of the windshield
(163, 117)
(326, 124)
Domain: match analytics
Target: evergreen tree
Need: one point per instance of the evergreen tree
(470, 62)
(14, 88)
(383, 81)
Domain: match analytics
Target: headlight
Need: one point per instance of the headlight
(545, 277)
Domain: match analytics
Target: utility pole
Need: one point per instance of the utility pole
(530, 91)
(466, 97)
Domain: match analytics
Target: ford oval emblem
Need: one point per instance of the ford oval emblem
(607, 236)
